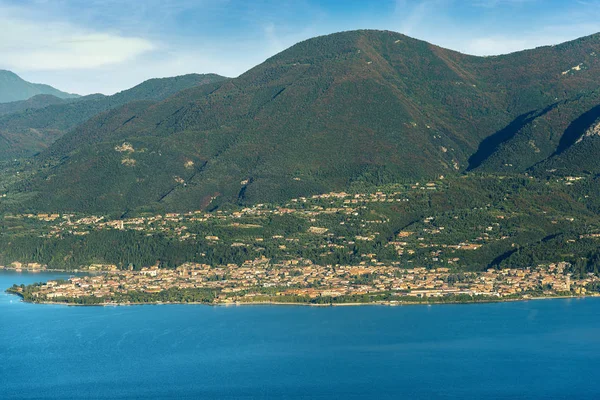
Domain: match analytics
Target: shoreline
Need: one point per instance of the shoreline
(274, 303)
(40, 270)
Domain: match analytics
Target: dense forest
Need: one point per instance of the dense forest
(468, 223)
(352, 108)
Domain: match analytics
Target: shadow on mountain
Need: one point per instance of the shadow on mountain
(492, 143)
(577, 129)
(505, 256)
(496, 261)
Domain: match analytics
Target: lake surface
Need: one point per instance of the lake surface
(547, 349)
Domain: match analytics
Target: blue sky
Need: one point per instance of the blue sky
(89, 46)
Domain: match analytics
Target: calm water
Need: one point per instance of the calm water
(528, 350)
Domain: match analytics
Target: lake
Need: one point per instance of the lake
(546, 349)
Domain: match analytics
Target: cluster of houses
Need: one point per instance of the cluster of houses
(351, 207)
(425, 243)
(302, 278)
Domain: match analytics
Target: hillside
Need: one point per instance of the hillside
(13, 88)
(578, 160)
(32, 128)
(37, 101)
(346, 110)
(467, 223)
(535, 138)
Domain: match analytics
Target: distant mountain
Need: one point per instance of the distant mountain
(349, 109)
(13, 88)
(37, 122)
(37, 101)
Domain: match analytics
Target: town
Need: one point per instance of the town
(301, 281)
(386, 245)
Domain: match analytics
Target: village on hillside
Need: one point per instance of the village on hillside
(332, 247)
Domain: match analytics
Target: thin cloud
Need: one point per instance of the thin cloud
(413, 15)
(110, 45)
(496, 3)
(28, 44)
(493, 33)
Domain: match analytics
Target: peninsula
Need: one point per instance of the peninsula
(300, 281)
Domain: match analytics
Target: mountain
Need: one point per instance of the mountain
(344, 110)
(546, 139)
(35, 102)
(537, 137)
(577, 158)
(32, 128)
(13, 88)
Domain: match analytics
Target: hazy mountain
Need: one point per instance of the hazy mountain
(353, 108)
(13, 88)
(35, 125)
(37, 101)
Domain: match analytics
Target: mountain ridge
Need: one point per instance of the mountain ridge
(29, 130)
(35, 102)
(353, 108)
(14, 88)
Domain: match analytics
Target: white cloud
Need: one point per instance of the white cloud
(28, 44)
(544, 36)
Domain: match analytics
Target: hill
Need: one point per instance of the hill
(470, 222)
(32, 128)
(13, 88)
(37, 101)
(540, 140)
(351, 109)
(539, 137)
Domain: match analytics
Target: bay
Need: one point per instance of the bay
(546, 349)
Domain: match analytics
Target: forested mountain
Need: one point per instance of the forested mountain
(37, 101)
(353, 108)
(535, 138)
(13, 88)
(34, 124)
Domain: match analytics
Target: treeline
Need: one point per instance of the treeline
(172, 295)
(125, 249)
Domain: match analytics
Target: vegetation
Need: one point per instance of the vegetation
(13, 88)
(468, 223)
(446, 160)
(167, 296)
(354, 109)
(37, 101)
(38, 122)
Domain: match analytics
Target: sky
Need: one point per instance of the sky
(104, 46)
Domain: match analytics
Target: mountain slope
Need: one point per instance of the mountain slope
(35, 102)
(535, 137)
(541, 133)
(33, 129)
(579, 153)
(13, 88)
(354, 108)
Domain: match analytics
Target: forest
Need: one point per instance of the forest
(466, 223)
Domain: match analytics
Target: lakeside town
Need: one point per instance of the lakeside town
(336, 222)
(301, 281)
(386, 245)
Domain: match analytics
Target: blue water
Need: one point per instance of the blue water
(546, 349)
